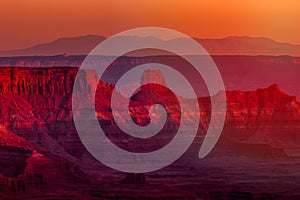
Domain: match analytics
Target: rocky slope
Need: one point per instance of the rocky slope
(24, 166)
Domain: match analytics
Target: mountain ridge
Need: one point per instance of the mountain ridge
(231, 45)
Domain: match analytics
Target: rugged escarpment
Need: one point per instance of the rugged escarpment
(39, 95)
(36, 105)
(263, 107)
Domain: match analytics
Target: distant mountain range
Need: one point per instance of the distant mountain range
(233, 45)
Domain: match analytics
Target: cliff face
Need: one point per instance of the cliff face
(35, 81)
(263, 107)
(31, 96)
(36, 104)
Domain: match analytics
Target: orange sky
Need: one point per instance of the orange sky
(27, 22)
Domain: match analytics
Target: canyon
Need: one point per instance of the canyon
(36, 104)
(37, 120)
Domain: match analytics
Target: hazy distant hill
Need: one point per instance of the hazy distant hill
(75, 45)
(249, 46)
(234, 45)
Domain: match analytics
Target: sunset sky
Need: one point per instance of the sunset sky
(28, 22)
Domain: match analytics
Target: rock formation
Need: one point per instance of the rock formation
(36, 105)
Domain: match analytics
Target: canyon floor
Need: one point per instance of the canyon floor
(210, 178)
